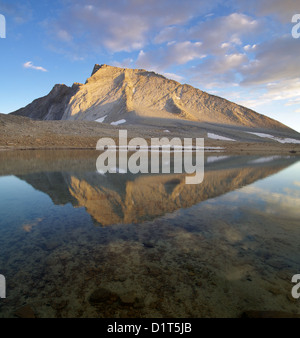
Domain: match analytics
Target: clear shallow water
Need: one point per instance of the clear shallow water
(74, 243)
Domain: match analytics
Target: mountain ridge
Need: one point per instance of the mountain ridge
(137, 96)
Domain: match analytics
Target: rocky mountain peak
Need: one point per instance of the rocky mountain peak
(97, 67)
(140, 97)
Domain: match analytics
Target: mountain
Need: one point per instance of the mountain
(138, 97)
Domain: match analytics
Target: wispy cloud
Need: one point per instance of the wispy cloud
(30, 65)
(173, 76)
(18, 12)
(173, 54)
(282, 10)
(126, 27)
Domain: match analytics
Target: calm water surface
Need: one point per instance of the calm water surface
(74, 243)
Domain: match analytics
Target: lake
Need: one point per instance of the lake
(75, 243)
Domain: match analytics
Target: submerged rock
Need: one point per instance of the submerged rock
(148, 245)
(52, 245)
(102, 295)
(128, 298)
(25, 312)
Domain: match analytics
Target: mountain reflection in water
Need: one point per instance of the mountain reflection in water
(126, 198)
(74, 243)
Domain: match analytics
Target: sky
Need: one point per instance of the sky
(241, 50)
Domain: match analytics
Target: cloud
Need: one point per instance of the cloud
(282, 10)
(276, 59)
(63, 35)
(166, 34)
(19, 13)
(29, 65)
(287, 91)
(224, 32)
(219, 70)
(117, 26)
(173, 76)
(176, 53)
(219, 49)
(276, 67)
(126, 63)
(271, 65)
(248, 48)
(128, 32)
(284, 90)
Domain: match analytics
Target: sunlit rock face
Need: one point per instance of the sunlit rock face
(134, 96)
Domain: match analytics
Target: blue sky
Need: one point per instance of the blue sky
(240, 50)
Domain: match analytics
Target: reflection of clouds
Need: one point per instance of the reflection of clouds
(279, 203)
(234, 273)
(297, 183)
(233, 235)
(232, 196)
(28, 226)
(292, 192)
(251, 190)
